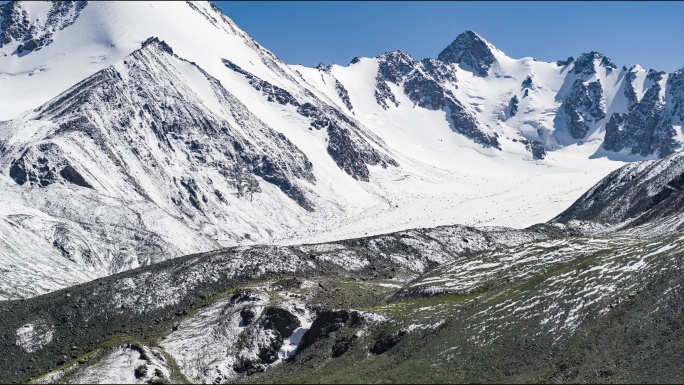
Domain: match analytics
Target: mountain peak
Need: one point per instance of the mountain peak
(586, 63)
(471, 50)
(471, 34)
(396, 55)
(393, 65)
(159, 43)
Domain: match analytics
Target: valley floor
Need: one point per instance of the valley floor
(503, 191)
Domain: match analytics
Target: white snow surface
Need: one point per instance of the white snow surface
(34, 336)
(118, 366)
(63, 234)
(291, 342)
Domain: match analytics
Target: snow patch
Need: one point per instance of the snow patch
(34, 336)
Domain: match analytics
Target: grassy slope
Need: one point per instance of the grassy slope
(605, 309)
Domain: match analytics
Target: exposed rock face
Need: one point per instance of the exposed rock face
(470, 50)
(263, 337)
(383, 93)
(346, 147)
(513, 106)
(563, 63)
(586, 64)
(17, 25)
(41, 165)
(640, 193)
(464, 122)
(675, 97)
(440, 71)
(655, 76)
(582, 106)
(394, 65)
(327, 324)
(535, 147)
(527, 83)
(425, 83)
(344, 95)
(630, 92)
(645, 129)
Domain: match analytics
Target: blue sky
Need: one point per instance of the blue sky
(308, 32)
(646, 33)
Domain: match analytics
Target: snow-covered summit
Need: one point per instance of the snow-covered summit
(470, 50)
(587, 63)
(76, 39)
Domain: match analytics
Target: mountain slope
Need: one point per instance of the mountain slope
(146, 131)
(163, 294)
(559, 309)
(643, 197)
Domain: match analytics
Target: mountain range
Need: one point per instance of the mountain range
(324, 203)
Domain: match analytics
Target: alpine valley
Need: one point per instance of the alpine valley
(177, 205)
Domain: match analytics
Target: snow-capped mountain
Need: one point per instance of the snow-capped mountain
(151, 157)
(139, 131)
(508, 103)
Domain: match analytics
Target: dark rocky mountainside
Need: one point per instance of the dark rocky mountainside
(540, 305)
(149, 303)
(425, 83)
(646, 195)
(113, 112)
(648, 126)
(470, 50)
(15, 25)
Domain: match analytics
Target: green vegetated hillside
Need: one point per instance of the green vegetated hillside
(602, 309)
(551, 309)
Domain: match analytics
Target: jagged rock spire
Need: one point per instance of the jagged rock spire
(470, 49)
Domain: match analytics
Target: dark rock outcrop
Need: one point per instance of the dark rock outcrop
(630, 91)
(36, 34)
(535, 147)
(280, 320)
(425, 85)
(383, 93)
(586, 63)
(464, 122)
(471, 51)
(347, 148)
(387, 341)
(330, 323)
(675, 96)
(527, 83)
(513, 106)
(43, 165)
(563, 63)
(344, 95)
(71, 175)
(582, 106)
(646, 129)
